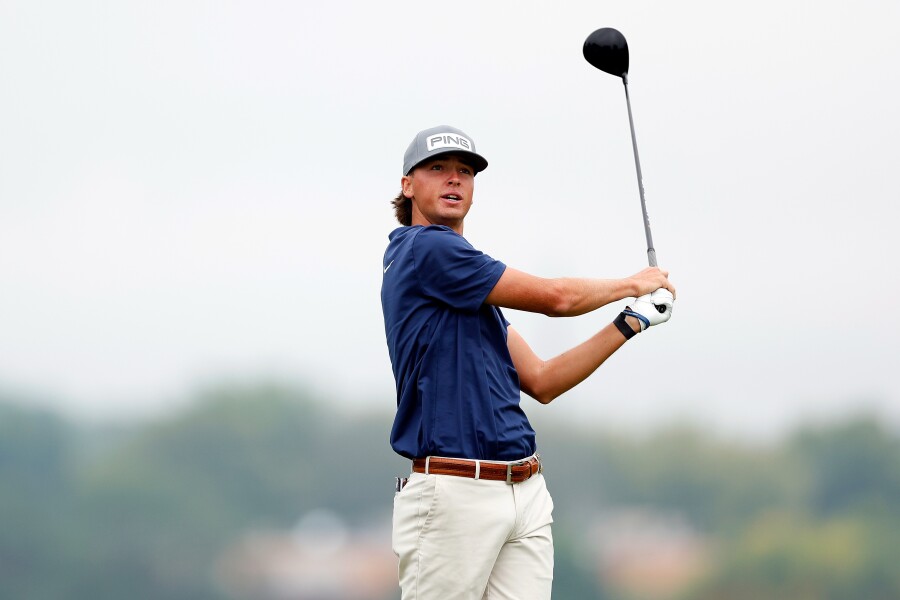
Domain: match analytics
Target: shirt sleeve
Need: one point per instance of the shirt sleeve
(452, 271)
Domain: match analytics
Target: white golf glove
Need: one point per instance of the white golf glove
(646, 308)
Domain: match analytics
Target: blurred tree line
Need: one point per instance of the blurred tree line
(143, 510)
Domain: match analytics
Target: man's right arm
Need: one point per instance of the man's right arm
(569, 297)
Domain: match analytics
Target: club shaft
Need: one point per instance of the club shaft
(651, 252)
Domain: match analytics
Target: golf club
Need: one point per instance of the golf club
(607, 50)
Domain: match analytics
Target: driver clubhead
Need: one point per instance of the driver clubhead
(607, 50)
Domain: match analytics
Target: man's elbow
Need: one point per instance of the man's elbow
(542, 395)
(545, 398)
(561, 301)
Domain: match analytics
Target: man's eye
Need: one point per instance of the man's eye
(436, 167)
(465, 171)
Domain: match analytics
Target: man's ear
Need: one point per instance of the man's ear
(406, 185)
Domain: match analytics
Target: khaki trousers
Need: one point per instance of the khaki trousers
(467, 539)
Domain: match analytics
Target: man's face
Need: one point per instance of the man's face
(441, 191)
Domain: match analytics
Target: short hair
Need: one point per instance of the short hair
(402, 209)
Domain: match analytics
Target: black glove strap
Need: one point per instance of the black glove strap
(623, 326)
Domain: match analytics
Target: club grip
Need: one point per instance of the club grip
(667, 298)
(651, 257)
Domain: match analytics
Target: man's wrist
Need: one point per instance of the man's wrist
(627, 325)
(633, 323)
(629, 287)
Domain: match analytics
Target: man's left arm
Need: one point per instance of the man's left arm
(544, 380)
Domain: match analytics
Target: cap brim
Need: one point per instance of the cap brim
(478, 162)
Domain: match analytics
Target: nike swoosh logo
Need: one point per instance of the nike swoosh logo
(388, 267)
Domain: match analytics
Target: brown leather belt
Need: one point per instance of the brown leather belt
(510, 472)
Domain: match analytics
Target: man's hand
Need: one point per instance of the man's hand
(652, 309)
(649, 280)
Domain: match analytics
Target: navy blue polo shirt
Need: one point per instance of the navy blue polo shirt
(457, 389)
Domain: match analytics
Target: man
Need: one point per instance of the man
(473, 520)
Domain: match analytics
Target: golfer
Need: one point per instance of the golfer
(473, 519)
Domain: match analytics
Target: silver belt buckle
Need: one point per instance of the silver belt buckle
(518, 463)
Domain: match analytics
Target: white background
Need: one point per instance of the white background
(197, 190)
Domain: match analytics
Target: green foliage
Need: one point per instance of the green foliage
(177, 492)
(853, 467)
(718, 486)
(145, 512)
(839, 541)
(785, 555)
(36, 523)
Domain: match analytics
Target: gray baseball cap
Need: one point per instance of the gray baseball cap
(442, 139)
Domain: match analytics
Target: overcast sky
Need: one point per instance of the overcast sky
(195, 190)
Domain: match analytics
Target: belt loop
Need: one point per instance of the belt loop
(477, 469)
(427, 464)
